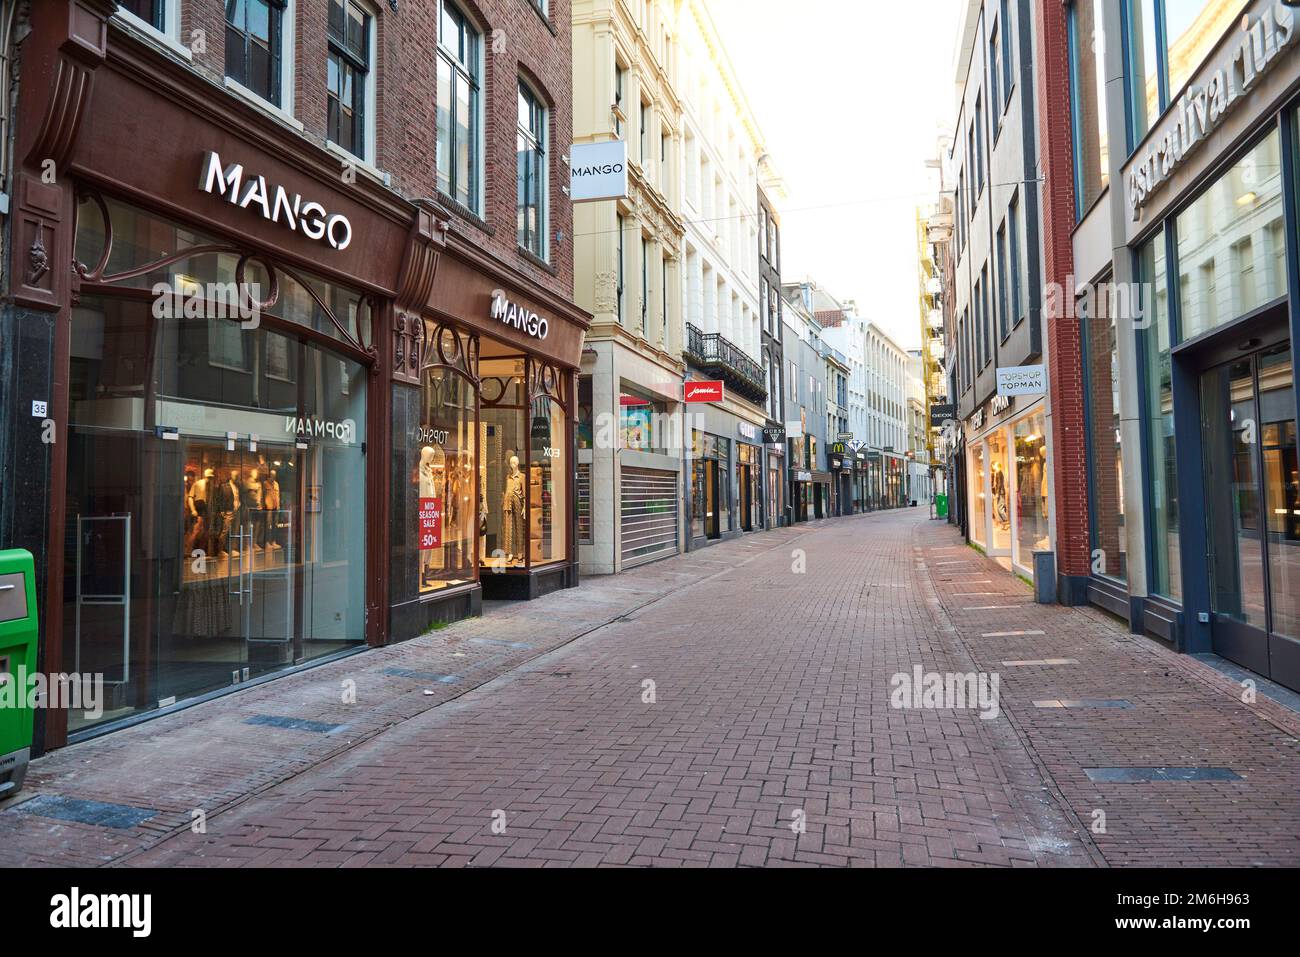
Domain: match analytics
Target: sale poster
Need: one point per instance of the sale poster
(430, 517)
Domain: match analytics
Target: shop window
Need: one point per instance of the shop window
(1088, 84)
(999, 490)
(117, 243)
(460, 72)
(1105, 449)
(585, 423)
(448, 505)
(255, 46)
(523, 454)
(1032, 480)
(642, 424)
(1158, 411)
(975, 497)
(530, 149)
(348, 85)
(1231, 243)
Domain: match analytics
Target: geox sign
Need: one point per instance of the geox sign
(275, 204)
(598, 171)
(518, 316)
(1245, 56)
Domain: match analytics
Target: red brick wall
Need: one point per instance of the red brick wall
(1069, 451)
(406, 73)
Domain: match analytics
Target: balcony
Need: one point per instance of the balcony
(724, 359)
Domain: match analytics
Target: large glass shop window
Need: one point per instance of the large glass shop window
(1231, 243)
(447, 506)
(215, 521)
(522, 466)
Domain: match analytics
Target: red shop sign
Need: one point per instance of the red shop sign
(705, 391)
(430, 515)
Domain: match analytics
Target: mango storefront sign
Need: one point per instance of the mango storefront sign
(598, 171)
(274, 203)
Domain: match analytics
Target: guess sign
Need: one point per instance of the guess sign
(706, 391)
(430, 521)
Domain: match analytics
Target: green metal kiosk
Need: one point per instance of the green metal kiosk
(17, 665)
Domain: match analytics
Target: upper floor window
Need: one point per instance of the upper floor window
(620, 80)
(1167, 42)
(159, 14)
(255, 47)
(459, 75)
(349, 84)
(995, 77)
(530, 151)
(1088, 80)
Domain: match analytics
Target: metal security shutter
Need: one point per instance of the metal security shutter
(648, 515)
(584, 503)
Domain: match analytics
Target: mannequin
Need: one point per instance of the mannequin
(253, 502)
(271, 505)
(512, 513)
(226, 503)
(196, 502)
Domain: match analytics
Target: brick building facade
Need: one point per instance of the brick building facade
(387, 432)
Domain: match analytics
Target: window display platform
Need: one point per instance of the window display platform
(411, 618)
(520, 585)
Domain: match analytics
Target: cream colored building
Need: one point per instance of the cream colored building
(722, 150)
(628, 275)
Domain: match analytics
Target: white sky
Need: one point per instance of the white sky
(850, 96)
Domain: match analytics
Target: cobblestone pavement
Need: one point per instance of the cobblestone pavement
(729, 707)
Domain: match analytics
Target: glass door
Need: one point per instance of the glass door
(1253, 512)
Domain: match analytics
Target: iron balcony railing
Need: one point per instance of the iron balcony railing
(723, 358)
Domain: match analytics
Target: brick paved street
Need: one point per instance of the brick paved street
(770, 739)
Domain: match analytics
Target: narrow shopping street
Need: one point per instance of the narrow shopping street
(730, 707)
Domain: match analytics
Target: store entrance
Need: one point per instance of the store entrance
(238, 599)
(746, 499)
(1252, 494)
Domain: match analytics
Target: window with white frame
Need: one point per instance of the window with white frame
(460, 71)
(350, 88)
(259, 50)
(530, 152)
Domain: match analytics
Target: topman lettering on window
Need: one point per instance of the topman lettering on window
(274, 203)
(309, 427)
(518, 316)
(1214, 92)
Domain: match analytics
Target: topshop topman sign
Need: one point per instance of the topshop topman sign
(1022, 380)
(1209, 97)
(277, 205)
(598, 171)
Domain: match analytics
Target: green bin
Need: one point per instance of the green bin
(17, 665)
(941, 506)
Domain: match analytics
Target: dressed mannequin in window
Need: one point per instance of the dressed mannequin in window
(253, 502)
(270, 506)
(196, 503)
(224, 501)
(513, 531)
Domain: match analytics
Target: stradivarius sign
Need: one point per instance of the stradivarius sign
(1214, 92)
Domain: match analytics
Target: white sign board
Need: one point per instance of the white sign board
(598, 171)
(1022, 380)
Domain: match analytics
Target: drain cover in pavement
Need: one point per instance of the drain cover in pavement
(1085, 703)
(101, 813)
(1143, 775)
(422, 675)
(295, 724)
